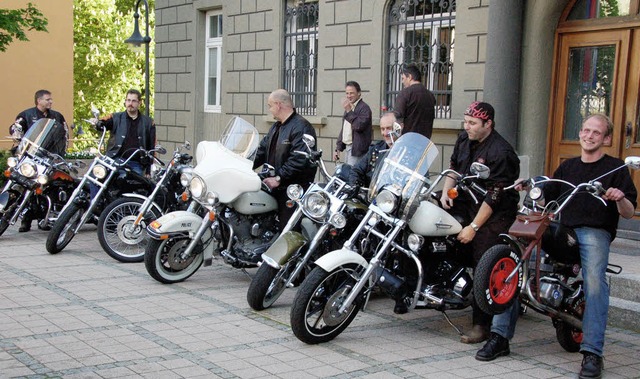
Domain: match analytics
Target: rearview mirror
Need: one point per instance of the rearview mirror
(160, 150)
(309, 140)
(633, 162)
(480, 169)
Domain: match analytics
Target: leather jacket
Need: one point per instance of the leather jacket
(292, 168)
(118, 125)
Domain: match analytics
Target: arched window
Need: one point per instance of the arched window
(422, 32)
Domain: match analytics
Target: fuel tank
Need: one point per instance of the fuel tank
(431, 220)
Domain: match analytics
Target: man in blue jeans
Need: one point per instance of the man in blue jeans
(595, 226)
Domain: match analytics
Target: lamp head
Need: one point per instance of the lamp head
(136, 38)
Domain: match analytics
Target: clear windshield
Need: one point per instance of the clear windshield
(241, 137)
(404, 168)
(45, 135)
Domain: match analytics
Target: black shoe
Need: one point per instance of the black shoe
(25, 226)
(401, 307)
(496, 346)
(591, 366)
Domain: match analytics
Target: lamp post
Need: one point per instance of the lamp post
(136, 40)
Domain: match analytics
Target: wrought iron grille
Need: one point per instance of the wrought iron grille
(301, 55)
(421, 32)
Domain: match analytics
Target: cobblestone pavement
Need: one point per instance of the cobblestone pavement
(81, 314)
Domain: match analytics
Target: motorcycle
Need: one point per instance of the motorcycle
(539, 261)
(39, 179)
(232, 213)
(123, 223)
(112, 178)
(329, 214)
(414, 253)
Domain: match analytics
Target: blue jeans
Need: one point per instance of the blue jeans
(594, 247)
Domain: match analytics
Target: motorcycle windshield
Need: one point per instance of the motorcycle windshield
(403, 170)
(241, 137)
(45, 135)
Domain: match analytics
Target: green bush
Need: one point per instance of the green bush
(4, 154)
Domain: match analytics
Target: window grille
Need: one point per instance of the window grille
(421, 32)
(301, 55)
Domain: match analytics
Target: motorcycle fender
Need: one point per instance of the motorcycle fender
(337, 258)
(144, 198)
(6, 198)
(177, 222)
(284, 247)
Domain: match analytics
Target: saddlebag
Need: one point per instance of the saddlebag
(530, 226)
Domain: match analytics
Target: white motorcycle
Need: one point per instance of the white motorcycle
(232, 213)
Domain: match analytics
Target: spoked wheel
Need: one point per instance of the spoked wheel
(490, 289)
(62, 231)
(118, 235)
(315, 316)
(568, 336)
(164, 263)
(5, 218)
(268, 284)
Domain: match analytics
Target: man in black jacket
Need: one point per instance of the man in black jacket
(130, 130)
(277, 147)
(356, 133)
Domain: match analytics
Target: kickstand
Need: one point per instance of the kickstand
(245, 271)
(451, 323)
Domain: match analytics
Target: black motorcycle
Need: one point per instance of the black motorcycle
(39, 180)
(112, 178)
(122, 226)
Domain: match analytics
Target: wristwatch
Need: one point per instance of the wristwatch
(474, 226)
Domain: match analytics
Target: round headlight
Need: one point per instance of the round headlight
(415, 242)
(316, 204)
(185, 178)
(386, 201)
(197, 187)
(212, 198)
(99, 171)
(42, 179)
(12, 162)
(535, 193)
(338, 220)
(295, 191)
(28, 169)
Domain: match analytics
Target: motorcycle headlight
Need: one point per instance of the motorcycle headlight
(415, 242)
(197, 187)
(28, 169)
(185, 178)
(338, 220)
(42, 179)
(12, 162)
(212, 198)
(535, 193)
(386, 201)
(294, 192)
(99, 171)
(316, 204)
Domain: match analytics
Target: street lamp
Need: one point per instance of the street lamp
(136, 40)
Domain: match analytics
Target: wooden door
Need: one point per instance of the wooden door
(596, 72)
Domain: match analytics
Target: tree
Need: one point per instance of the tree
(13, 23)
(104, 66)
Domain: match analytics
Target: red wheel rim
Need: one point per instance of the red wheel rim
(500, 291)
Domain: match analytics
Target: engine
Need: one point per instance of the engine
(253, 235)
(551, 291)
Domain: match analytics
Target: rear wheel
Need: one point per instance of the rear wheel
(164, 263)
(314, 314)
(118, 235)
(268, 284)
(490, 289)
(62, 231)
(568, 336)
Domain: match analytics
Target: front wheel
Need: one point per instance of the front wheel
(568, 336)
(118, 235)
(492, 294)
(62, 231)
(164, 262)
(5, 218)
(314, 314)
(268, 284)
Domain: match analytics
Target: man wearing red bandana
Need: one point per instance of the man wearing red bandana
(495, 213)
